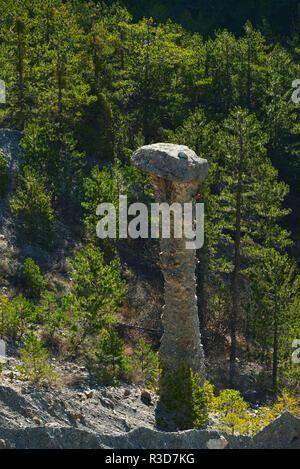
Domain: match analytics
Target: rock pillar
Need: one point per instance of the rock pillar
(176, 172)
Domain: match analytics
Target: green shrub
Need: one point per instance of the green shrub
(231, 409)
(54, 155)
(17, 315)
(4, 177)
(182, 401)
(96, 129)
(146, 364)
(97, 294)
(107, 185)
(53, 317)
(235, 414)
(265, 415)
(32, 205)
(111, 357)
(34, 366)
(32, 278)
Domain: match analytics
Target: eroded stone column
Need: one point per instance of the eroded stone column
(176, 172)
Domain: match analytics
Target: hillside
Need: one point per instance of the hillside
(149, 224)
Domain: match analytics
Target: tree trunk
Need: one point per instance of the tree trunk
(275, 351)
(201, 275)
(234, 284)
(20, 70)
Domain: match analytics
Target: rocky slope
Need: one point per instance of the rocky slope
(113, 418)
(77, 413)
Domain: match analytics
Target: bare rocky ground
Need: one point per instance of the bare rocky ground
(86, 416)
(85, 406)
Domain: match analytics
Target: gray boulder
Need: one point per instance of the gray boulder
(169, 161)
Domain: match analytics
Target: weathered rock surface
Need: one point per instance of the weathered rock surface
(176, 171)
(283, 433)
(89, 416)
(87, 409)
(170, 161)
(217, 443)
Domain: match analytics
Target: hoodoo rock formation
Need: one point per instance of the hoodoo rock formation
(176, 172)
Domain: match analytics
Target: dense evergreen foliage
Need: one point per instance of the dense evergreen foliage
(205, 16)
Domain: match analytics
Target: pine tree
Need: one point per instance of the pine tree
(274, 287)
(111, 357)
(32, 278)
(182, 404)
(145, 361)
(53, 316)
(17, 316)
(59, 162)
(32, 205)
(252, 68)
(250, 197)
(97, 293)
(34, 366)
(4, 177)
